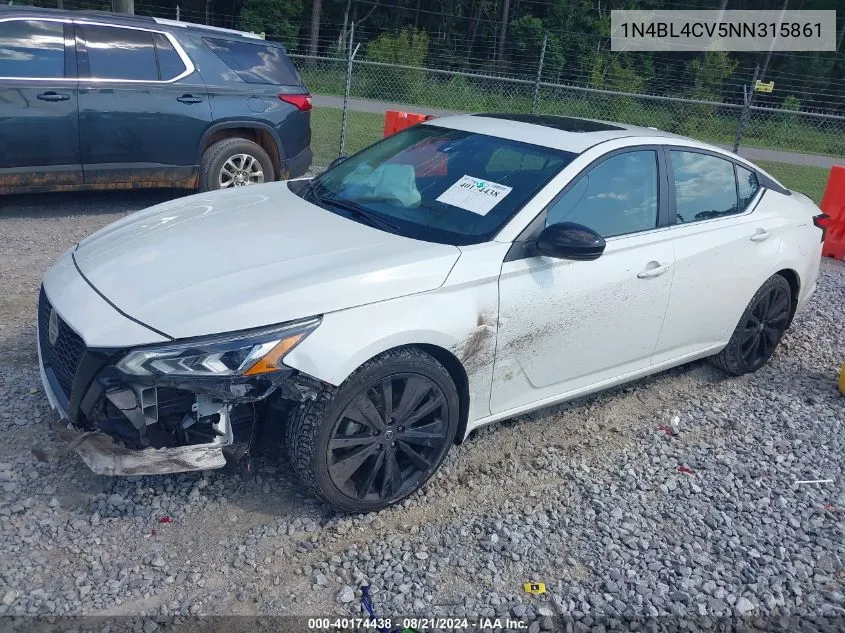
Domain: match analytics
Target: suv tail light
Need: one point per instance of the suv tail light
(822, 221)
(300, 102)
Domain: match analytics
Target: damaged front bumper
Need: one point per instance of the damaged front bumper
(111, 441)
(108, 455)
(105, 457)
(129, 425)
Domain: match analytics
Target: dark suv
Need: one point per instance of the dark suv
(93, 100)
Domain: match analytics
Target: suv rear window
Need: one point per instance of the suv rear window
(32, 49)
(170, 65)
(256, 63)
(119, 53)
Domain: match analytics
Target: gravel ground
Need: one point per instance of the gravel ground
(674, 496)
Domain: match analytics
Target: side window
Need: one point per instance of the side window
(256, 63)
(616, 197)
(705, 186)
(118, 53)
(747, 185)
(170, 65)
(32, 48)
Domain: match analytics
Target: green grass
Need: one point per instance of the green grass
(807, 179)
(779, 130)
(362, 129)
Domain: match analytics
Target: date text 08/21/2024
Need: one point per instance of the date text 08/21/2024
(412, 625)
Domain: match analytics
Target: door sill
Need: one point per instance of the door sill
(593, 388)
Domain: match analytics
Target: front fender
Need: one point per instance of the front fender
(462, 321)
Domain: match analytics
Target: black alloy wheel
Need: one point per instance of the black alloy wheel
(764, 326)
(760, 328)
(380, 435)
(389, 438)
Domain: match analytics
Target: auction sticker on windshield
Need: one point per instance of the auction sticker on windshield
(474, 194)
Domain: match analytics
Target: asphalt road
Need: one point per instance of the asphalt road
(751, 153)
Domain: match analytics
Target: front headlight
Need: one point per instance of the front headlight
(250, 353)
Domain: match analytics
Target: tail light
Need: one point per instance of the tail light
(300, 102)
(822, 221)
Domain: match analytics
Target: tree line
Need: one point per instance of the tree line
(505, 37)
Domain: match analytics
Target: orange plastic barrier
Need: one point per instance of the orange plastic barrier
(394, 121)
(390, 122)
(833, 203)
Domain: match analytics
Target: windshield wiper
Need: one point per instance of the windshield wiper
(310, 191)
(362, 213)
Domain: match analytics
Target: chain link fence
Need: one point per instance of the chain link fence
(811, 144)
(797, 147)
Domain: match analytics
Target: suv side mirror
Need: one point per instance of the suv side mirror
(568, 240)
(336, 161)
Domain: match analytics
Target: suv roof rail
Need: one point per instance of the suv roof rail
(74, 13)
(205, 27)
(17, 7)
(99, 12)
(125, 16)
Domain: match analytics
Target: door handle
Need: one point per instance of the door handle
(653, 269)
(53, 96)
(189, 99)
(760, 235)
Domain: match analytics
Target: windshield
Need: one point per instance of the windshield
(437, 184)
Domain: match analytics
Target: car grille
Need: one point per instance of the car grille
(63, 357)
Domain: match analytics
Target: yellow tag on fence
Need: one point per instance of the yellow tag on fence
(534, 587)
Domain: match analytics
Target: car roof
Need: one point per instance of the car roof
(570, 134)
(576, 135)
(122, 19)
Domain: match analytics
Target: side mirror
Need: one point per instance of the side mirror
(336, 161)
(568, 240)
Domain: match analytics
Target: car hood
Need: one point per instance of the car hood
(248, 257)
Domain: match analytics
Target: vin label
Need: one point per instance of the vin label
(740, 31)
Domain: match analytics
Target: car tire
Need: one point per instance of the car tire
(759, 330)
(244, 162)
(341, 449)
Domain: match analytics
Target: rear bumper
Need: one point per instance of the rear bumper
(297, 165)
(809, 275)
(803, 301)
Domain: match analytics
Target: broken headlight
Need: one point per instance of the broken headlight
(249, 353)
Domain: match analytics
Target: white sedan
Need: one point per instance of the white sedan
(463, 271)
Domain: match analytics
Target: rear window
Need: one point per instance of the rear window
(170, 65)
(705, 186)
(32, 49)
(119, 53)
(747, 185)
(256, 63)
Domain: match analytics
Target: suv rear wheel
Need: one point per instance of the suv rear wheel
(234, 162)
